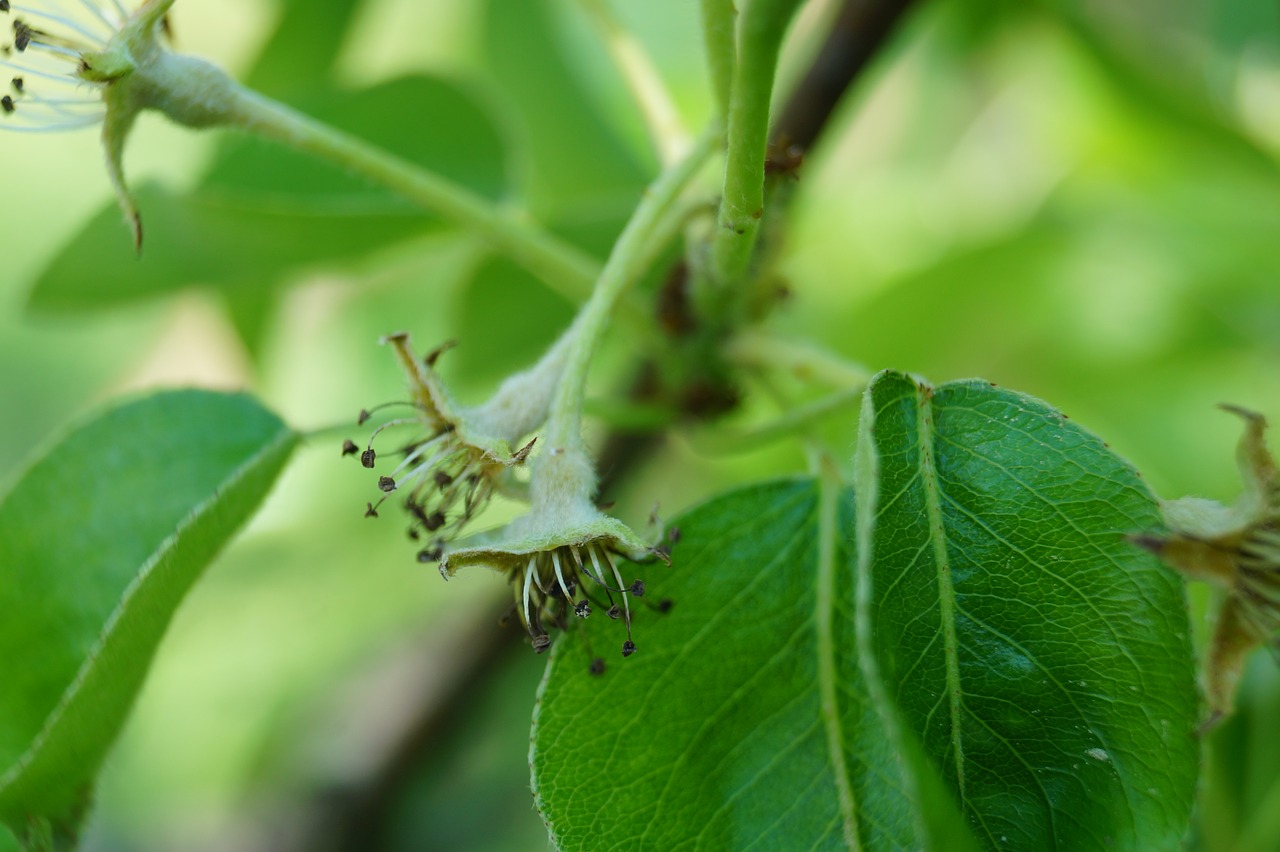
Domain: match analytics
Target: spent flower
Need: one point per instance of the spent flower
(562, 555)
(1236, 548)
(453, 462)
(97, 63)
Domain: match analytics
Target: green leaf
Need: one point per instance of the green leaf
(742, 719)
(576, 163)
(103, 536)
(507, 319)
(308, 36)
(265, 212)
(1042, 661)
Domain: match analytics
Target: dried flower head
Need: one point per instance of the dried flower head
(95, 62)
(451, 465)
(1236, 548)
(563, 554)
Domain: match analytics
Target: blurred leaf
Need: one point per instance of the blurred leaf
(103, 537)
(508, 319)
(469, 788)
(1044, 662)
(743, 719)
(575, 162)
(266, 212)
(308, 36)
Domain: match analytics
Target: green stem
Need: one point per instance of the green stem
(763, 25)
(799, 419)
(626, 263)
(563, 267)
(804, 360)
(718, 20)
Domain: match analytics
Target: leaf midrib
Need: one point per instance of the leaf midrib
(824, 612)
(946, 589)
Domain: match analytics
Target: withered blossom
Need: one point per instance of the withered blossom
(1237, 549)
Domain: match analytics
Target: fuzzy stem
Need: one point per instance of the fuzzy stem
(563, 267)
(718, 21)
(643, 80)
(763, 25)
(626, 263)
(804, 360)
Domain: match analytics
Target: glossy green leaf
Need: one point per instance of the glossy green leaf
(103, 536)
(742, 721)
(1042, 661)
(265, 212)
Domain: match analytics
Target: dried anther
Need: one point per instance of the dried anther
(1238, 550)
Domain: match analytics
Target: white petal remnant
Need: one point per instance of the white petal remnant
(42, 60)
(97, 63)
(1236, 548)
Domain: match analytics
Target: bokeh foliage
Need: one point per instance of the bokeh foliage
(1077, 200)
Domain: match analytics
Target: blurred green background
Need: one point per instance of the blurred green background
(1080, 201)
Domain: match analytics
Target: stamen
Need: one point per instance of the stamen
(49, 128)
(97, 40)
(528, 581)
(417, 454)
(402, 421)
(66, 79)
(555, 562)
(97, 12)
(626, 607)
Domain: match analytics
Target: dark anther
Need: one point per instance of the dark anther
(386, 483)
(628, 648)
(368, 457)
(615, 612)
(349, 448)
(673, 535)
(434, 521)
(18, 84)
(443, 480)
(364, 417)
(21, 36)
(582, 608)
(413, 534)
(430, 554)
(541, 642)
(665, 605)
(637, 588)
(4, 5)
(6, 103)
(371, 511)
(597, 667)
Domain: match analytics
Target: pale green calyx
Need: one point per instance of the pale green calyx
(118, 59)
(562, 555)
